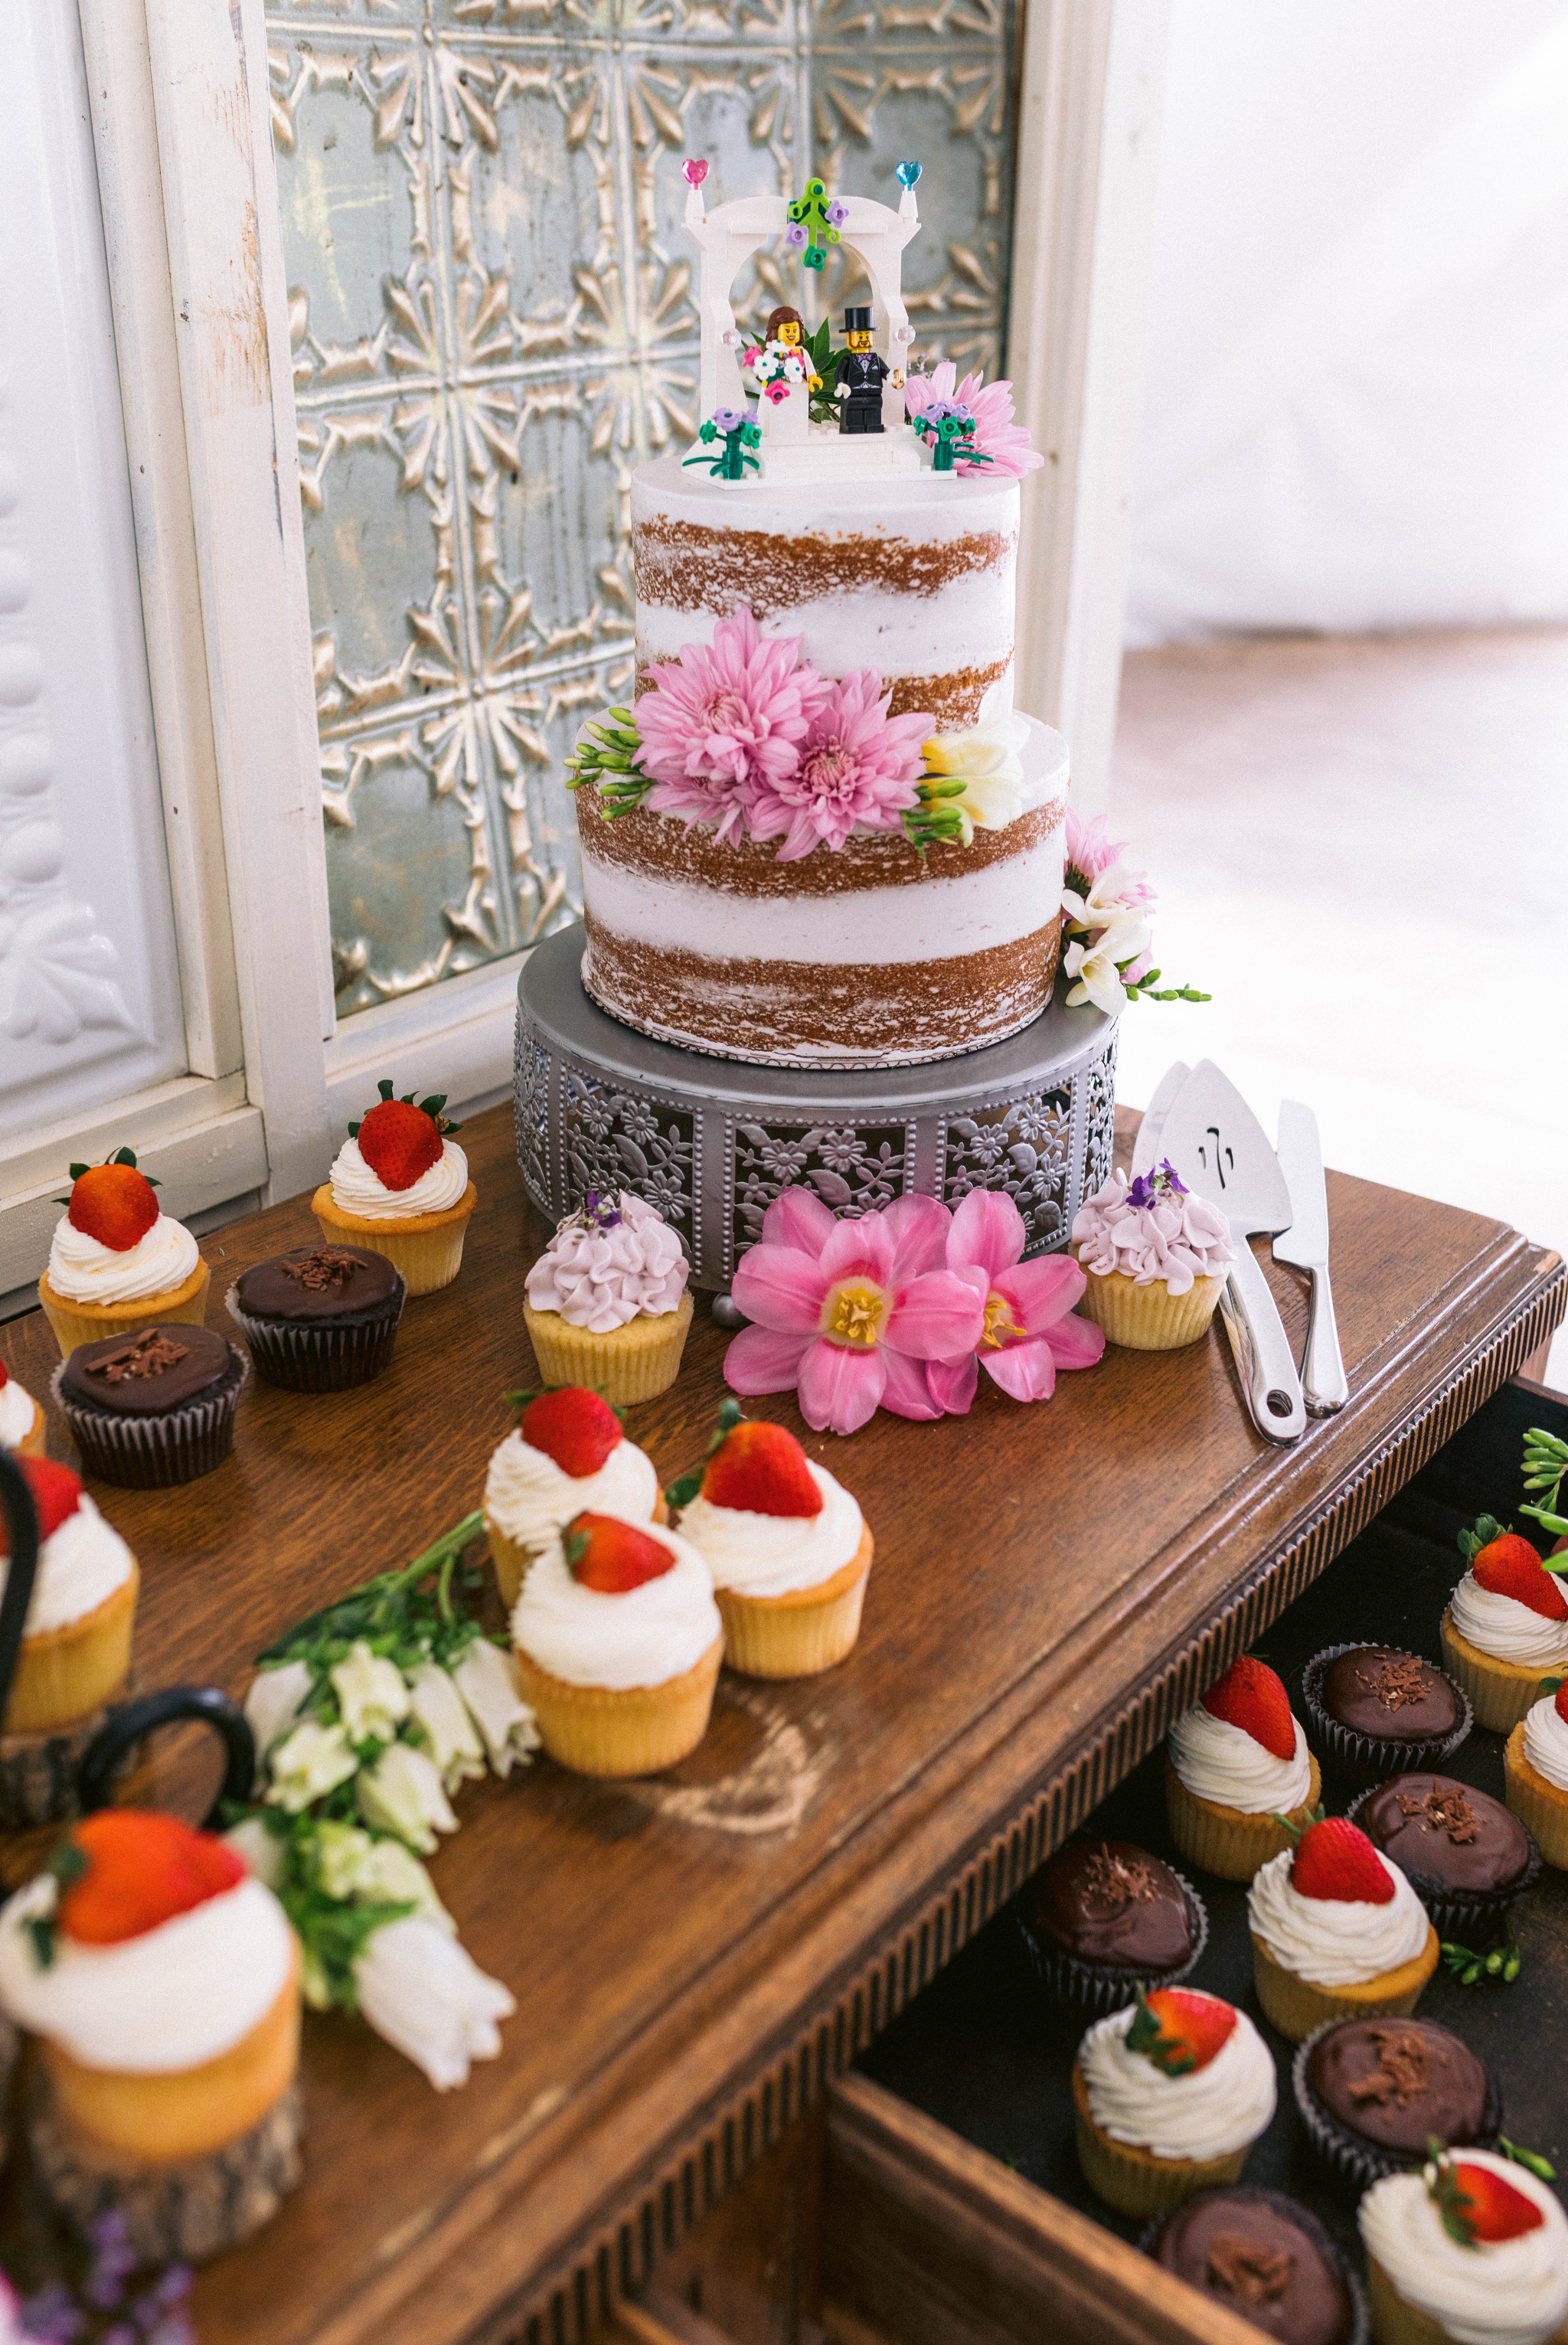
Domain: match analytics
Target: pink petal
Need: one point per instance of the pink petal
(919, 1226)
(953, 1382)
(907, 1392)
(988, 1229)
(781, 1287)
(1076, 1342)
(1042, 1291)
(1028, 1371)
(855, 1245)
(760, 1361)
(838, 1388)
(798, 1217)
(935, 1317)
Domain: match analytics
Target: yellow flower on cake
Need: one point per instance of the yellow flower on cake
(986, 759)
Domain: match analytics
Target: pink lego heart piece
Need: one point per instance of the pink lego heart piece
(694, 171)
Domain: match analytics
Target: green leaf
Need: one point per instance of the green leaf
(355, 1129)
(123, 1156)
(682, 1492)
(1168, 2053)
(78, 1170)
(385, 1086)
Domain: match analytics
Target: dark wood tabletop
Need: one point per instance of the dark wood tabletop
(694, 1956)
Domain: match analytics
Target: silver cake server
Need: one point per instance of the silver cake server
(1217, 1147)
(1146, 1146)
(1305, 1245)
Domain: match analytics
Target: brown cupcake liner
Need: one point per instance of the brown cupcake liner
(154, 1453)
(1464, 1916)
(322, 1356)
(1303, 2217)
(1370, 1759)
(1099, 1988)
(1350, 2157)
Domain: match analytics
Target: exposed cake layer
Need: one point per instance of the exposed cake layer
(913, 577)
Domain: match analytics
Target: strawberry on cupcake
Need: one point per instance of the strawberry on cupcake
(1506, 1625)
(1170, 2095)
(1535, 1768)
(400, 1185)
(1473, 2249)
(76, 1640)
(619, 1642)
(1338, 1932)
(117, 1263)
(566, 1457)
(1238, 1774)
(787, 1547)
(21, 1418)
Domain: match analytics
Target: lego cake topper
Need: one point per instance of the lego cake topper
(862, 372)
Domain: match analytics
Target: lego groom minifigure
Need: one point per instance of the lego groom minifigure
(862, 374)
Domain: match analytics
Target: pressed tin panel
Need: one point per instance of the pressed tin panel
(492, 324)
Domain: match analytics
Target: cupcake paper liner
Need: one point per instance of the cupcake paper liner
(611, 1731)
(1371, 1759)
(636, 1362)
(1135, 2181)
(1227, 1841)
(77, 1323)
(1361, 2314)
(1296, 2006)
(153, 1453)
(1462, 1916)
(321, 1355)
(1349, 2156)
(1500, 1692)
(1099, 1988)
(1539, 1806)
(1148, 1318)
(802, 1635)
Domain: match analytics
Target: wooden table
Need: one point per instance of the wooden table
(693, 1957)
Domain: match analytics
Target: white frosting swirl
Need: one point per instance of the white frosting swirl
(528, 1496)
(1506, 1630)
(1221, 1761)
(357, 1190)
(80, 1565)
(1180, 1238)
(600, 1278)
(645, 1638)
(1499, 2292)
(773, 1555)
(152, 2005)
(1207, 2113)
(1546, 1742)
(84, 1270)
(1335, 1941)
(17, 1411)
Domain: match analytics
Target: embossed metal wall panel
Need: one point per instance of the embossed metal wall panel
(492, 324)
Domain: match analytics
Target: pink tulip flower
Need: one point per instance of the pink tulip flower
(848, 1312)
(1029, 1327)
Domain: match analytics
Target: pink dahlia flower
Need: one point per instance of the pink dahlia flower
(726, 721)
(848, 1312)
(994, 432)
(1029, 1329)
(858, 765)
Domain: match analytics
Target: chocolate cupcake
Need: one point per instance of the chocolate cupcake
(1373, 2092)
(1373, 1712)
(1467, 1857)
(319, 1319)
(153, 1409)
(1268, 2260)
(1102, 1917)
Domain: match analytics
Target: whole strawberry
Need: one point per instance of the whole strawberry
(1180, 2030)
(1508, 1565)
(762, 1469)
(575, 1427)
(57, 1493)
(1250, 1695)
(125, 1869)
(1335, 1860)
(111, 1202)
(1480, 2207)
(399, 1140)
(612, 1557)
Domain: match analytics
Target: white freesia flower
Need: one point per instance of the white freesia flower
(377, 1872)
(313, 1761)
(449, 1731)
(986, 759)
(1116, 891)
(488, 1681)
(263, 1852)
(272, 1705)
(372, 1695)
(401, 1793)
(431, 2002)
(1097, 969)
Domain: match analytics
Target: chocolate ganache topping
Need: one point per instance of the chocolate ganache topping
(318, 1282)
(1266, 2258)
(1442, 1832)
(1396, 2082)
(1109, 1901)
(1377, 1691)
(147, 1374)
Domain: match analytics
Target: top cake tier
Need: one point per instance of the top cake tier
(912, 576)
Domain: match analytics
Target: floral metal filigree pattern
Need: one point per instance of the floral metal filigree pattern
(1023, 1147)
(613, 1139)
(854, 1168)
(1099, 1145)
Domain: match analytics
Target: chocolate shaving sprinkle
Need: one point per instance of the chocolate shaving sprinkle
(1400, 2074)
(150, 1356)
(1114, 1882)
(1395, 1682)
(1446, 1812)
(326, 1267)
(1247, 2269)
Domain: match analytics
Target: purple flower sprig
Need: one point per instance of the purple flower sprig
(107, 2308)
(602, 1212)
(1157, 1188)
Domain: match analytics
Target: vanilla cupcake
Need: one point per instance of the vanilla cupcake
(619, 1642)
(75, 1641)
(607, 1305)
(1170, 2094)
(1337, 1933)
(1156, 1258)
(1236, 1764)
(399, 1186)
(116, 1263)
(21, 1418)
(163, 1983)
(567, 1456)
(1535, 1768)
(1472, 2249)
(1506, 1626)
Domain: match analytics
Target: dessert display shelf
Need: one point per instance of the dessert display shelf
(712, 1142)
(695, 1957)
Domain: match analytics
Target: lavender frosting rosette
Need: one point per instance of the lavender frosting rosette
(1156, 1258)
(606, 1302)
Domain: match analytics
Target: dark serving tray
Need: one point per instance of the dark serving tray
(984, 2052)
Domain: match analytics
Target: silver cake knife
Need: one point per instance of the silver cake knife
(1146, 1146)
(1305, 1244)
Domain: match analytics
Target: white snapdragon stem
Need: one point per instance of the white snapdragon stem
(488, 1681)
(313, 1762)
(372, 1694)
(450, 1734)
(377, 1872)
(272, 1705)
(403, 1793)
(431, 2003)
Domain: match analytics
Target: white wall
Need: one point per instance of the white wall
(1357, 412)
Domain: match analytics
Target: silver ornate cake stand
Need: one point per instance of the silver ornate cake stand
(711, 1141)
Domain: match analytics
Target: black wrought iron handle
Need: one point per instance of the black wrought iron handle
(128, 1724)
(22, 1524)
